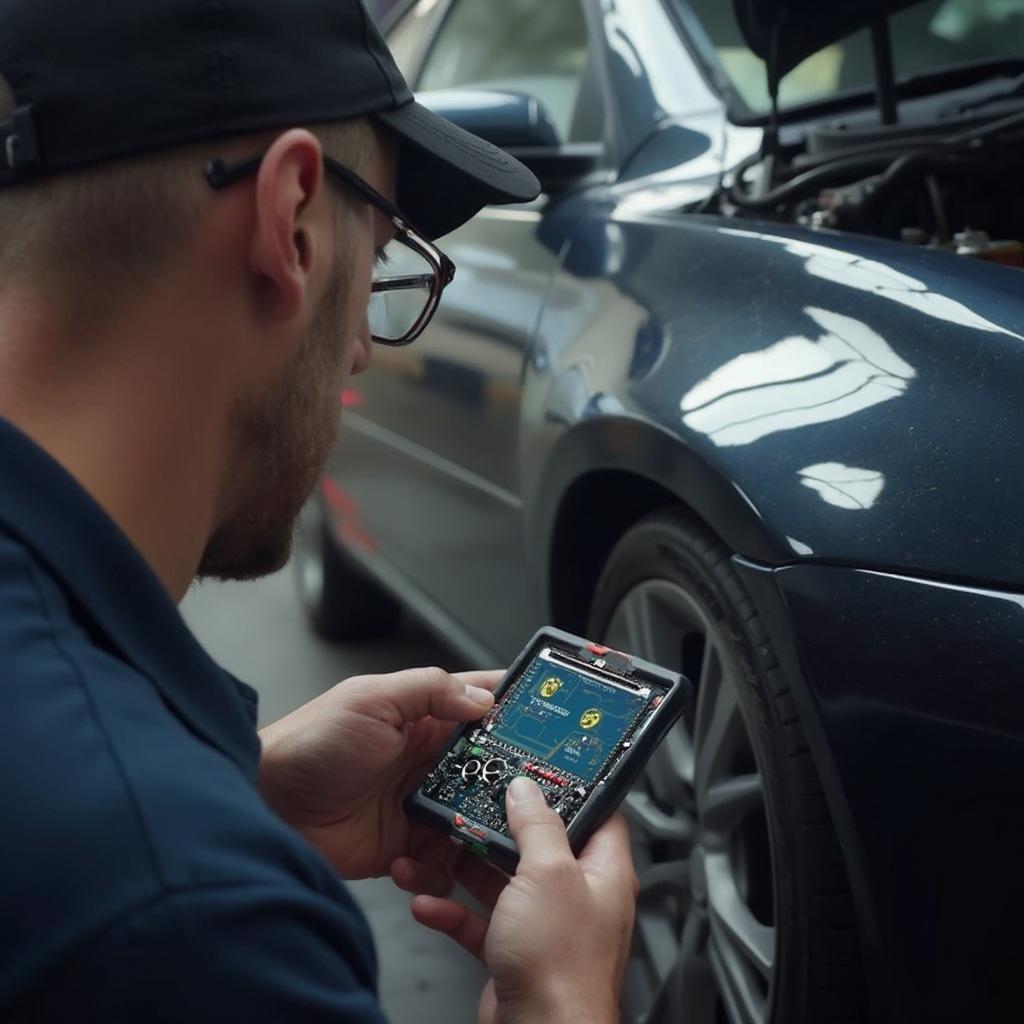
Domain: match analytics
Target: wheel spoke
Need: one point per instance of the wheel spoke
(688, 994)
(636, 609)
(719, 724)
(645, 815)
(727, 803)
(679, 747)
(743, 1003)
(664, 879)
(733, 921)
(669, 772)
(656, 940)
(710, 668)
(708, 691)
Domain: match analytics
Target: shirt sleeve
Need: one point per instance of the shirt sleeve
(248, 953)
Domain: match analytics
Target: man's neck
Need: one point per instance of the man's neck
(140, 442)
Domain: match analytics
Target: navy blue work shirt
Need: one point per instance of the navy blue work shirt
(142, 877)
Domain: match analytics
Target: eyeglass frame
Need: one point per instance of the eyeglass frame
(221, 175)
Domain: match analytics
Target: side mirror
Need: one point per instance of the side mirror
(519, 124)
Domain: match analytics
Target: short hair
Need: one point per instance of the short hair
(88, 237)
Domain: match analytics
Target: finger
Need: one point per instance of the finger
(469, 930)
(481, 880)
(608, 854)
(538, 831)
(426, 739)
(429, 739)
(486, 680)
(419, 692)
(488, 1009)
(427, 844)
(419, 878)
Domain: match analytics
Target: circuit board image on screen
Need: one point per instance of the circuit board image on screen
(566, 719)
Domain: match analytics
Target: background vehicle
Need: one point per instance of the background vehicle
(740, 393)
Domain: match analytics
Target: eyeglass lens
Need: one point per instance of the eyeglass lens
(403, 284)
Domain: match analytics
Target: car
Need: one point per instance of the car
(742, 393)
(379, 9)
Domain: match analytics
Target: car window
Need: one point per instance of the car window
(538, 47)
(405, 40)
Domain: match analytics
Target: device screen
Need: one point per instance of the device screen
(562, 723)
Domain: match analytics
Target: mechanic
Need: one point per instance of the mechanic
(193, 194)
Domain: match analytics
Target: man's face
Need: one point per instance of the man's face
(282, 439)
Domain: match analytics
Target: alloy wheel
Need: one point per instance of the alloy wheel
(704, 946)
(307, 553)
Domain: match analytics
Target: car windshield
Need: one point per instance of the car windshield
(926, 37)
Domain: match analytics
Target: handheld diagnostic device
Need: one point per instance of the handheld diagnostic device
(577, 718)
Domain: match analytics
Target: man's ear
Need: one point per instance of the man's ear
(286, 238)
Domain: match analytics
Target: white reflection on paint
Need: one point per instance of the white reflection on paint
(877, 278)
(797, 382)
(844, 486)
(614, 249)
(619, 41)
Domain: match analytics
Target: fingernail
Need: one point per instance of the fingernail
(522, 790)
(478, 695)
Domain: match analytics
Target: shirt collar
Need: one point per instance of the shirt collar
(113, 586)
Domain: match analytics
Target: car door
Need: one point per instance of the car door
(431, 454)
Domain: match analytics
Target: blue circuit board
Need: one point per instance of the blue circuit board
(565, 719)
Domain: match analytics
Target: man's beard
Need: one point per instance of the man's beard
(280, 443)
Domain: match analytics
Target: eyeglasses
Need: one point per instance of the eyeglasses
(410, 273)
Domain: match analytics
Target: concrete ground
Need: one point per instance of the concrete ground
(257, 631)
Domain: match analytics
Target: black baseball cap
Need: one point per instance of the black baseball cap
(98, 80)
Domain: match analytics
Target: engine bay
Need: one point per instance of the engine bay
(935, 164)
(952, 185)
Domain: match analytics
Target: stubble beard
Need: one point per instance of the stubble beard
(281, 442)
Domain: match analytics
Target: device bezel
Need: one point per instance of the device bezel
(608, 793)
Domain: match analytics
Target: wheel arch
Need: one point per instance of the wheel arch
(606, 474)
(577, 554)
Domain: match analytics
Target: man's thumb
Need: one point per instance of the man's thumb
(538, 831)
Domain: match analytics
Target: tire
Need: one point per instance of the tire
(729, 806)
(341, 602)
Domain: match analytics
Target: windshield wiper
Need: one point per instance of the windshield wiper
(1014, 91)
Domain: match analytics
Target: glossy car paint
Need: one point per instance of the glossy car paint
(845, 412)
(432, 457)
(863, 398)
(915, 684)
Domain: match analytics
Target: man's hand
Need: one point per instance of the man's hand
(339, 767)
(559, 933)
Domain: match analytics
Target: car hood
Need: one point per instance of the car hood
(802, 27)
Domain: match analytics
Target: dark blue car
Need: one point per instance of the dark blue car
(742, 393)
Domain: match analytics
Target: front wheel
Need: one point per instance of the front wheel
(744, 913)
(340, 600)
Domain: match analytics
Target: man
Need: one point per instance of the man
(192, 194)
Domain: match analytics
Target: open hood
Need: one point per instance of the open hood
(805, 26)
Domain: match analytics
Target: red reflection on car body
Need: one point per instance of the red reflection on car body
(346, 517)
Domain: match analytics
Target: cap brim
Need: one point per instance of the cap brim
(446, 175)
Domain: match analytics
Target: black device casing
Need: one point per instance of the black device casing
(607, 796)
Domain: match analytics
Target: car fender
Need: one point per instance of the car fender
(813, 396)
(644, 451)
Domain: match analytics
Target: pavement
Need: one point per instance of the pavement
(258, 632)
